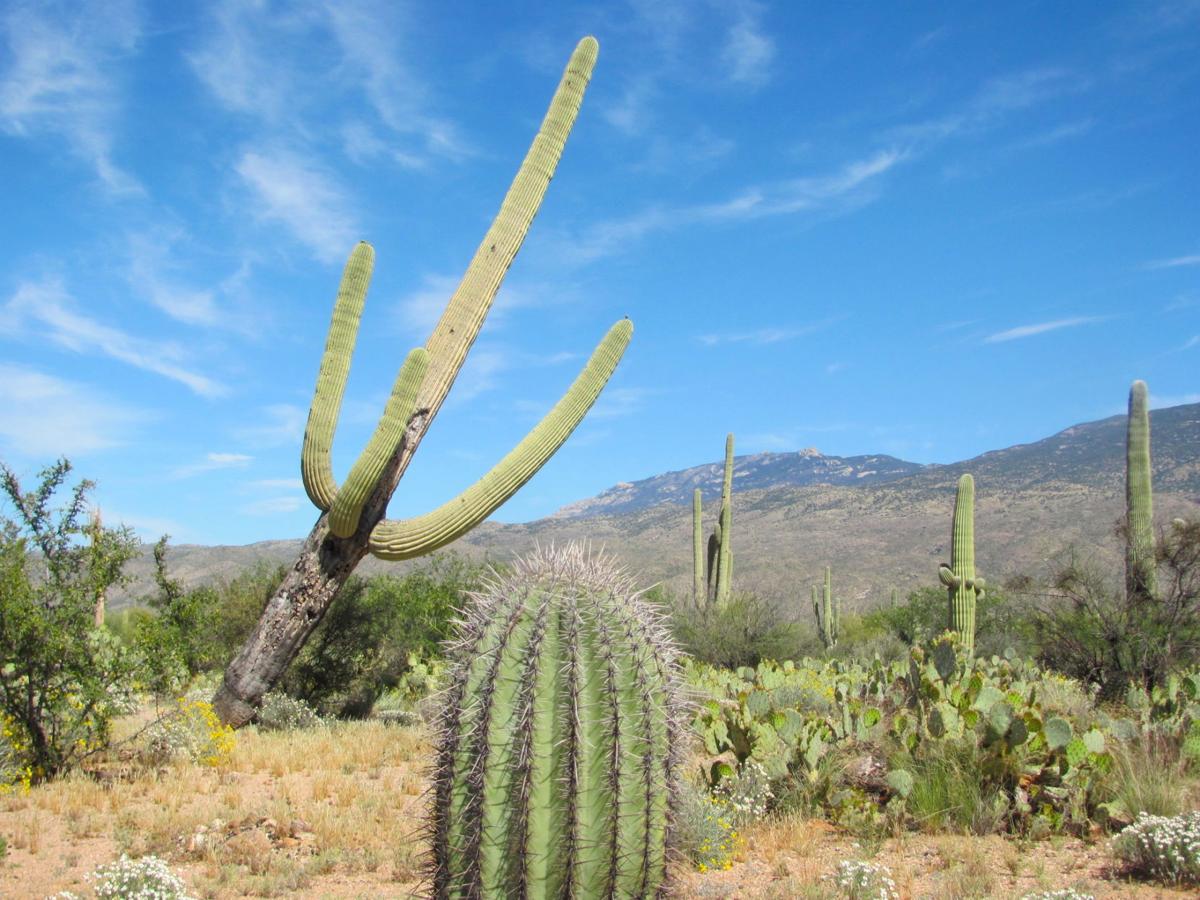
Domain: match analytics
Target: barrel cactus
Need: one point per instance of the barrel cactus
(558, 742)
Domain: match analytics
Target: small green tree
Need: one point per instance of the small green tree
(174, 645)
(62, 679)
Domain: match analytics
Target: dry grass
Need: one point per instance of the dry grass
(336, 813)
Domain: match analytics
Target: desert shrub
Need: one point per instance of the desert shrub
(746, 794)
(742, 632)
(239, 603)
(1163, 848)
(856, 879)
(279, 712)
(704, 832)
(191, 732)
(953, 790)
(1089, 627)
(374, 631)
(1148, 776)
(62, 680)
(1061, 894)
(1001, 621)
(172, 638)
(147, 878)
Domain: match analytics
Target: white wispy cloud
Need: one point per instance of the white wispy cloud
(1175, 262)
(618, 402)
(760, 336)
(48, 304)
(147, 262)
(367, 32)
(419, 311)
(44, 416)
(276, 425)
(1024, 331)
(213, 462)
(275, 484)
(1193, 341)
(284, 68)
(297, 193)
(850, 184)
(59, 77)
(748, 52)
(273, 506)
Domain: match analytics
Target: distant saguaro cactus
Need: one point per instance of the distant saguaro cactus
(963, 586)
(351, 524)
(560, 739)
(713, 578)
(826, 609)
(1140, 579)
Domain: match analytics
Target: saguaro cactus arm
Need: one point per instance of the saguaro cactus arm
(341, 538)
(725, 553)
(423, 534)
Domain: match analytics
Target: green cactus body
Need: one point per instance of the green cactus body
(725, 556)
(959, 577)
(556, 761)
(699, 587)
(1139, 514)
(427, 373)
(827, 612)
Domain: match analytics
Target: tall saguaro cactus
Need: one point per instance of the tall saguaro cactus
(352, 523)
(827, 612)
(1139, 513)
(963, 586)
(713, 577)
(559, 743)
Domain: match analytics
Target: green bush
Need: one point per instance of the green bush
(1001, 621)
(372, 633)
(279, 712)
(742, 632)
(62, 680)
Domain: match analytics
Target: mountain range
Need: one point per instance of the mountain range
(880, 522)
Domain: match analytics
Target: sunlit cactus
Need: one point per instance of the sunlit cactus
(959, 577)
(1139, 512)
(560, 738)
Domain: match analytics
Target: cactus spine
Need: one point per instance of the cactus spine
(712, 578)
(1139, 514)
(963, 586)
(826, 609)
(557, 751)
(352, 522)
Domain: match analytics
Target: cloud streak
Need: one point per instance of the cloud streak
(1175, 263)
(296, 193)
(213, 462)
(59, 78)
(48, 305)
(1024, 331)
(45, 416)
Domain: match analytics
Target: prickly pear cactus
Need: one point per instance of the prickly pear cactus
(557, 751)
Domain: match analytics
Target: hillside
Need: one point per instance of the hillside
(879, 521)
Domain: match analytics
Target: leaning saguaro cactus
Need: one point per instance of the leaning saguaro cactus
(1139, 514)
(959, 576)
(826, 609)
(558, 743)
(717, 585)
(351, 524)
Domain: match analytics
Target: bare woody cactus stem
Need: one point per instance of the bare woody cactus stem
(1139, 513)
(351, 525)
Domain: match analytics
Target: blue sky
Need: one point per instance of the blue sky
(929, 230)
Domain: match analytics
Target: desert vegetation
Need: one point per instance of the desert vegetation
(545, 728)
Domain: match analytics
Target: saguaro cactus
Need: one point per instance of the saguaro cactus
(350, 525)
(1139, 514)
(714, 580)
(827, 610)
(557, 751)
(963, 586)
